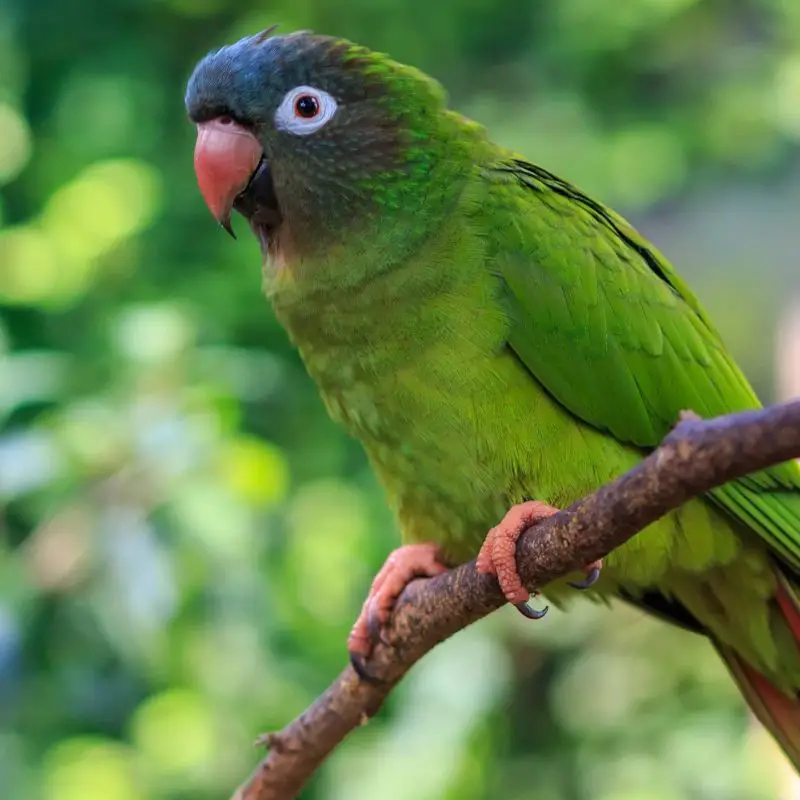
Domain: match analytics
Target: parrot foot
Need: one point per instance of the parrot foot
(592, 573)
(498, 555)
(402, 565)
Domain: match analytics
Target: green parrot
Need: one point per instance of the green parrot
(496, 339)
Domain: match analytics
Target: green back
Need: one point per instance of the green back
(602, 320)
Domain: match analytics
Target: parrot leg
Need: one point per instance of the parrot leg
(498, 555)
(402, 565)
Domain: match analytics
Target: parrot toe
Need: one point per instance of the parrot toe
(498, 555)
(402, 566)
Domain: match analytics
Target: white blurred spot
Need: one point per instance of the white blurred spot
(153, 334)
(28, 461)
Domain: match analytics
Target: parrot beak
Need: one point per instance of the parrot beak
(225, 158)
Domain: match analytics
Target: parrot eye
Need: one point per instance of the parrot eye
(306, 106)
(304, 110)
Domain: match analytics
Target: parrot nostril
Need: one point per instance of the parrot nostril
(225, 120)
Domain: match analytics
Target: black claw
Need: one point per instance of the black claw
(226, 223)
(529, 612)
(374, 625)
(590, 580)
(360, 668)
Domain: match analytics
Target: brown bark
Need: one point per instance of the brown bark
(695, 457)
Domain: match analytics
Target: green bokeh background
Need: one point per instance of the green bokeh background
(186, 538)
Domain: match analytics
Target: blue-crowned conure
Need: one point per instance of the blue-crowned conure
(496, 339)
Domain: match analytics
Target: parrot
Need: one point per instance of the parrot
(500, 343)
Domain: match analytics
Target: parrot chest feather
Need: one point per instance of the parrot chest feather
(454, 425)
(403, 366)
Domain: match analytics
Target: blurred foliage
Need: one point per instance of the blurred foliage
(186, 538)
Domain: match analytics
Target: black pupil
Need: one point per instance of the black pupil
(307, 106)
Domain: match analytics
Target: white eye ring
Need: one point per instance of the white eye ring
(292, 115)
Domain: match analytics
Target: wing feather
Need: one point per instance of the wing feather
(604, 323)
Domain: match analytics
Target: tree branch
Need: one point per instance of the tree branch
(695, 457)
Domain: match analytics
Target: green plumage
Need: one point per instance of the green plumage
(537, 347)
(492, 334)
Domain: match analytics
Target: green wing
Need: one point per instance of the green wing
(607, 327)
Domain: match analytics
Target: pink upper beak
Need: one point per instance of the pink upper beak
(225, 157)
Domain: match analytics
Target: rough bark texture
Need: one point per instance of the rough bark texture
(696, 456)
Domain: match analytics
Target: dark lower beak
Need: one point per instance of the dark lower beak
(257, 201)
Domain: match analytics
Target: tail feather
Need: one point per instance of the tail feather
(778, 711)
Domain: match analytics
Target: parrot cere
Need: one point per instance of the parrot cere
(500, 343)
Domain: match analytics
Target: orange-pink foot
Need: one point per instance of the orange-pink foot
(403, 564)
(498, 555)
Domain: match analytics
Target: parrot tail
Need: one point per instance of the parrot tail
(778, 712)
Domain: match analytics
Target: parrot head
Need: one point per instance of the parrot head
(311, 133)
